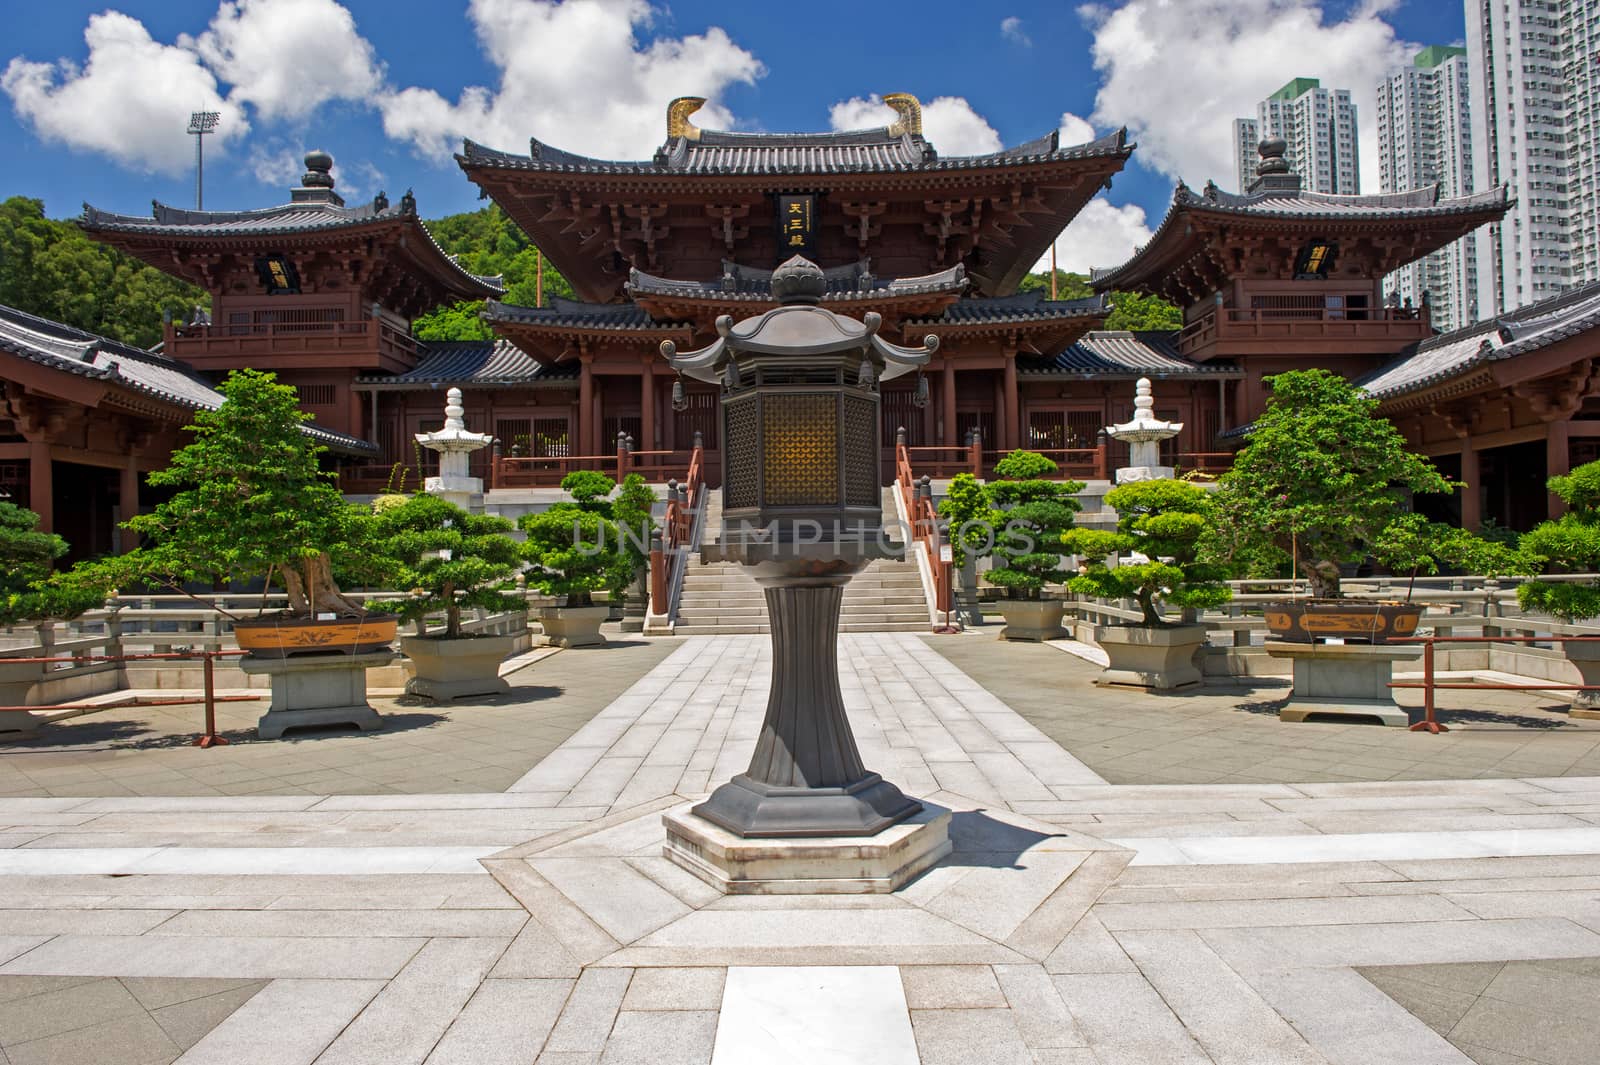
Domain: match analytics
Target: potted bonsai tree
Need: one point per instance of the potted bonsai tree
(26, 556)
(1320, 480)
(576, 551)
(633, 510)
(1027, 550)
(250, 502)
(1570, 543)
(1162, 521)
(451, 560)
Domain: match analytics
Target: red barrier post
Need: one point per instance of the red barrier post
(210, 739)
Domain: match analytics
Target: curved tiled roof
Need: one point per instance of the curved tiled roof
(852, 282)
(1519, 332)
(856, 151)
(71, 350)
(1120, 353)
(575, 314)
(1022, 307)
(284, 220)
(481, 363)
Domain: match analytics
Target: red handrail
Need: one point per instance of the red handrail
(677, 527)
(924, 519)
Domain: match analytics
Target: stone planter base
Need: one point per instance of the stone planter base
(1159, 659)
(829, 865)
(450, 669)
(1585, 657)
(1343, 680)
(309, 690)
(573, 626)
(1030, 619)
(18, 679)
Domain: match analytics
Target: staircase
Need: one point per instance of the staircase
(722, 598)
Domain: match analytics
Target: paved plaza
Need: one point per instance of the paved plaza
(518, 909)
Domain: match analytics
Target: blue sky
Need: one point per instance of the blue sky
(380, 85)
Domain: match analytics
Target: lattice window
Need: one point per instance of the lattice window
(740, 487)
(316, 395)
(551, 438)
(14, 483)
(898, 413)
(861, 488)
(701, 416)
(515, 436)
(1047, 429)
(982, 420)
(800, 450)
(628, 423)
(1082, 428)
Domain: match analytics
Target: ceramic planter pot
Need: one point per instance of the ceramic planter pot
(1158, 658)
(573, 626)
(1586, 658)
(452, 668)
(1032, 619)
(1307, 620)
(282, 637)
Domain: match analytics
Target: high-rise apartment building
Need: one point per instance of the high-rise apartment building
(1535, 117)
(1320, 128)
(1246, 157)
(1425, 138)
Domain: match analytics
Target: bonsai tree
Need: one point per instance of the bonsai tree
(1320, 480)
(575, 547)
(26, 557)
(249, 501)
(1412, 545)
(1162, 520)
(972, 518)
(633, 511)
(449, 559)
(1037, 512)
(1571, 543)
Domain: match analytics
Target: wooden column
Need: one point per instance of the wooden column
(1472, 493)
(41, 485)
(128, 502)
(586, 428)
(597, 421)
(947, 396)
(1013, 433)
(647, 405)
(1557, 461)
(999, 441)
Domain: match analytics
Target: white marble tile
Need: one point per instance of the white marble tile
(1357, 847)
(242, 861)
(288, 1022)
(814, 1015)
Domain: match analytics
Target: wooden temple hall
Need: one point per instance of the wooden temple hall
(324, 293)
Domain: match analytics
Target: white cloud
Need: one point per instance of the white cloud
(947, 121)
(1178, 73)
(573, 74)
(131, 100)
(1011, 29)
(1075, 130)
(1102, 235)
(280, 166)
(287, 57)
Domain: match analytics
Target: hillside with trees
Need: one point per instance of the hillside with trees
(1130, 310)
(48, 267)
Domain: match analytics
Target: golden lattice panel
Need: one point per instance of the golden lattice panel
(861, 484)
(800, 449)
(739, 439)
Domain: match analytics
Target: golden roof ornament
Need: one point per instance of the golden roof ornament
(678, 112)
(909, 110)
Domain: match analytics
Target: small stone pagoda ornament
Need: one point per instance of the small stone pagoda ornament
(1144, 434)
(802, 508)
(455, 445)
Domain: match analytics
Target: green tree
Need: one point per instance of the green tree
(1164, 521)
(1135, 311)
(575, 546)
(633, 510)
(249, 501)
(448, 559)
(1570, 543)
(52, 269)
(1319, 482)
(1069, 286)
(26, 557)
(972, 518)
(1037, 513)
(488, 243)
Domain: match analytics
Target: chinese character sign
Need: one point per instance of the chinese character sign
(797, 225)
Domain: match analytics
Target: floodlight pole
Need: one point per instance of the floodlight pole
(201, 123)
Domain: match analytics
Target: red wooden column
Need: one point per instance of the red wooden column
(1557, 461)
(41, 485)
(1013, 430)
(947, 395)
(128, 502)
(647, 405)
(1472, 493)
(586, 427)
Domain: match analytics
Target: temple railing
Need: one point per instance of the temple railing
(681, 530)
(1225, 325)
(922, 517)
(366, 336)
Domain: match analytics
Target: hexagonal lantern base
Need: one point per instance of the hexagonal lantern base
(826, 865)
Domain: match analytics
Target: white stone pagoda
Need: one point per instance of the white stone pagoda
(455, 445)
(1144, 434)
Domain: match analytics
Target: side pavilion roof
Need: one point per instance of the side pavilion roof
(1192, 251)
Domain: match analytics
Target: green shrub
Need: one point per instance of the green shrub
(447, 559)
(1037, 513)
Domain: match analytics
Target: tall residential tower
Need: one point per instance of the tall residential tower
(1424, 138)
(1320, 128)
(1534, 124)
